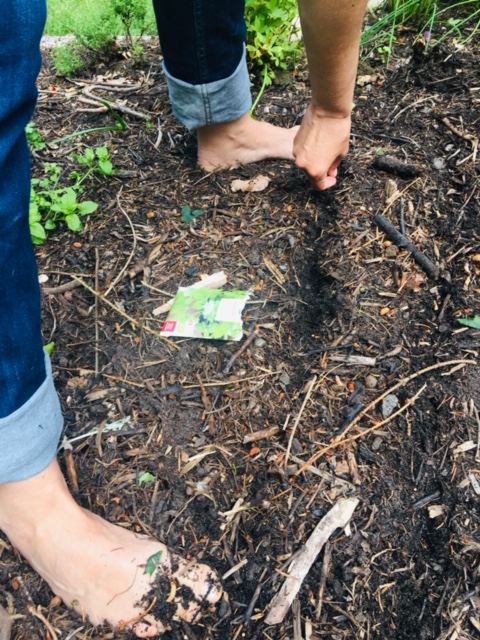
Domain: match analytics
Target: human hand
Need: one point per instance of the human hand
(320, 145)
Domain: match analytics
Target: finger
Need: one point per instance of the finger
(325, 182)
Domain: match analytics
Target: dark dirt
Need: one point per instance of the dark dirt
(322, 276)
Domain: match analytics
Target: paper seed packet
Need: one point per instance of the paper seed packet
(206, 313)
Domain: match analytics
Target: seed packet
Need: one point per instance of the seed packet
(206, 313)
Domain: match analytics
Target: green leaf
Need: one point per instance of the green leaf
(84, 208)
(38, 231)
(189, 216)
(49, 348)
(73, 221)
(145, 477)
(106, 167)
(50, 225)
(152, 563)
(470, 322)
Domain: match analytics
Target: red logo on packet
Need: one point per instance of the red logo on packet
(170, 326)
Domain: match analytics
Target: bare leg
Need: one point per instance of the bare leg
(97, 568)
(221, 146)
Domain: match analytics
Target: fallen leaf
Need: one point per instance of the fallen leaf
(260, 183)
(254, 451)
(412, 281)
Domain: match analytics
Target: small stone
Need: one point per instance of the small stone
(438, 163)
(284, 379)
(259, 343)
(371, 382)
(377, 443)
(388, 405)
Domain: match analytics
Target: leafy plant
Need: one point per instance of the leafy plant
(272, 35)
(145, 477)
(189, 214)
(132, 14)
(34, 137)
(52, 203)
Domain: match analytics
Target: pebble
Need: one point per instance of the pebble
(388, 405)
(284, 379)
(260, 342)
(377, 443)
(371, 382)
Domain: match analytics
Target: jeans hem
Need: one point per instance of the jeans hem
(29, 436)
(216, 102)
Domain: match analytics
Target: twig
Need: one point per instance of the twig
(135, 322)
(261, 435)
(62, 288)
(253, 601)
(368, 408)
(231, 560)
(327, 556)
(338, 517)
(6, 621)
(401, 241)
(396, 167)
(299, 415)
(242, 350)
(38, 614)
(108, 104)
(97, 305)
(122, 625)
(132, 252)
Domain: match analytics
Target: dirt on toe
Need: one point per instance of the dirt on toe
(359, 381)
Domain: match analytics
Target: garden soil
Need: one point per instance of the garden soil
(358, 380)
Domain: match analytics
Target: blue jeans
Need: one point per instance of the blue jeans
(30, 418)
(203, 45)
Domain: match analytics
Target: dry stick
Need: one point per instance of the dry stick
(401, 241)
(238, 353)
(297, 419)
(323, 578)
(97, 305)
(5, 624)
(342, 440)
(38, 614)
(132, 253)
(135, 322)
(338, 517)
(253, 601)
(62, 288)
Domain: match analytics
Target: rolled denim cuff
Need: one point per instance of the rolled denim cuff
(29, 436)
(198, 105)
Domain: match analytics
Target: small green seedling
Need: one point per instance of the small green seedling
(189, 214)
(152, 563)
(34, 137)
(145, 477)
(49, 348)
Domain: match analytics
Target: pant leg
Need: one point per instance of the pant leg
(203, 44)
(30, 418)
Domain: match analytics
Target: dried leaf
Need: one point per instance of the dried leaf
(260, 183)
(413, 281)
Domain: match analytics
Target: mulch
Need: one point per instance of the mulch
(347, 326)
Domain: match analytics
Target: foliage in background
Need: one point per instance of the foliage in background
(434, 21)
(95, 25)
(272, 35)
(51, 201)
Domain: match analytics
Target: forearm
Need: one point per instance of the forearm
(331, 31)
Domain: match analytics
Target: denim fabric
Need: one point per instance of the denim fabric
(203, 45)
(28, 435)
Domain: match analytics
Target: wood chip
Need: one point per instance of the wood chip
(336, 518)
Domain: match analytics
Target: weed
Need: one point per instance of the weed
(272, 35)
(52, 203)
(34, 137)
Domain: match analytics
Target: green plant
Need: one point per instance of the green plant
(34, 137)
(68, 59)
(272, 35)
(435, 20)
(52, 203)
(132, 14)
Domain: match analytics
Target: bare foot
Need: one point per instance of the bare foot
(102, 571)
(222, 146)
